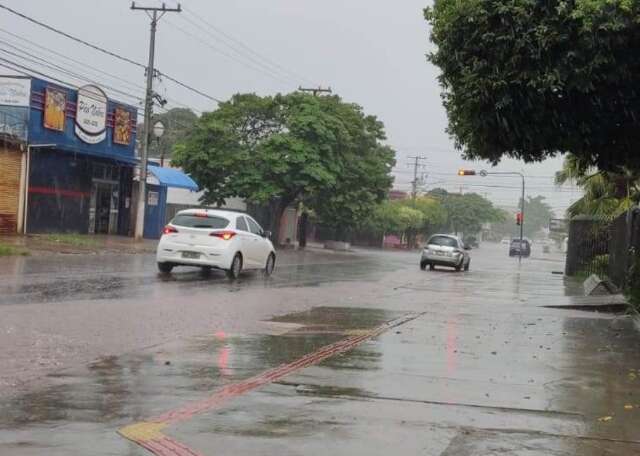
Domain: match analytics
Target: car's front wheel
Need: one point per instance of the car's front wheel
(423, 265)
(467, 266)
(271, 265)
(165, 268)
(236, 267)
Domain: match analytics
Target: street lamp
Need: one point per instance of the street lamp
(483, 173)
(158, 131)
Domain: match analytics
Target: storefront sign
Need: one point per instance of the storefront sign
(122, 126)
(91, 115)
(153, 198)
(54, 108)
(15, 91)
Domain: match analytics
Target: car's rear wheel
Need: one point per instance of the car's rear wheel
(236, 267)
(165, 268)
(271, 265)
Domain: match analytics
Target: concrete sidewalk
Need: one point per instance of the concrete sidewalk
(79, 244)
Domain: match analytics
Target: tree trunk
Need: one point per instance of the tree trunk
(277, 208)
(302, 230)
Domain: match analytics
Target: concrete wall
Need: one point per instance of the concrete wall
(182, 197)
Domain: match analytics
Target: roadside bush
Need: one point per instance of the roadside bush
(599, 265)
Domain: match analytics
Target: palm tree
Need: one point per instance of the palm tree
(606, 194)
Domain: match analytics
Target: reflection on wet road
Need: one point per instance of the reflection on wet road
(484, 369)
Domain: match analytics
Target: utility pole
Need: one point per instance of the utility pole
(155, 14)
(317, 91)
(304, 217)
(414, 183)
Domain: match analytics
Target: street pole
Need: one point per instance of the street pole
(148, 107)
(414, 183)
(521, 220)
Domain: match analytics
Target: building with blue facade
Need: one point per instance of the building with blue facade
(69, 157)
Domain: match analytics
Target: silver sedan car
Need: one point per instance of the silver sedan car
(445, 250)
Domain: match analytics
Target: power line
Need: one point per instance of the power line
(66, 57)
(26, 71)
(71, 37)
(52, 66)
(40, 48)
(239, 47)
(265, 59)
(105, 51)
(259, 65)
(226, 54)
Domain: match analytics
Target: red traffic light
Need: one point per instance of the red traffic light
(466, 172)
(519, 218)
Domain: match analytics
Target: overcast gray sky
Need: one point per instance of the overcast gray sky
(371, 52)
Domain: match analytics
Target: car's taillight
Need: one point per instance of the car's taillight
(224, 235)
(169, 230)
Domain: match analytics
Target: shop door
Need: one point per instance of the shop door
(103, 208)
(103, 215)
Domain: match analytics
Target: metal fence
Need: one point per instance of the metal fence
(603, 247)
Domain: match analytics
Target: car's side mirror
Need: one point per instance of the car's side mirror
(266, 234)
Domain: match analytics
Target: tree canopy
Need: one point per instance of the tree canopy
(466, 213)
(529, 79)
(406, 218)
(177, 123)
(281, 149)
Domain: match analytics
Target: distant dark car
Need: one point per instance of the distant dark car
(518, 246)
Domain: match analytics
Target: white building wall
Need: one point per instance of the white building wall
(189, 198)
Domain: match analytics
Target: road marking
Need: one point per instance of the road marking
(148, 434)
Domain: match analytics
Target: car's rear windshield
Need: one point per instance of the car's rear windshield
(443, 241)
(195, 221)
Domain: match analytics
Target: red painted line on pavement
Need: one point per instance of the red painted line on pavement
(161, 445)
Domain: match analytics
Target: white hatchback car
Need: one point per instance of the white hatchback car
(218, 239)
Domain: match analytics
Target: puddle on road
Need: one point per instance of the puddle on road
(91, 403)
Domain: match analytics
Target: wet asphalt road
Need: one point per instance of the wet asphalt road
(477, 366)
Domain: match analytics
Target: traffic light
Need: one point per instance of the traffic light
(466, 172)
(519, 218)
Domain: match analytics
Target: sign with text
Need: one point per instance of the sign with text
(15, 91)
(91, 114)
(153, 198)
(558, 225)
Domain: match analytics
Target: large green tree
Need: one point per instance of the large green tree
(466, 213)
(529, 79)
(283, 149)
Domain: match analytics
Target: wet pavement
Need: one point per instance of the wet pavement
(307, 363)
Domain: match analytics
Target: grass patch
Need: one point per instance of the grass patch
(74, 240)
(8, 250)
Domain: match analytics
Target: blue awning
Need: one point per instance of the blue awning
(173, 178)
